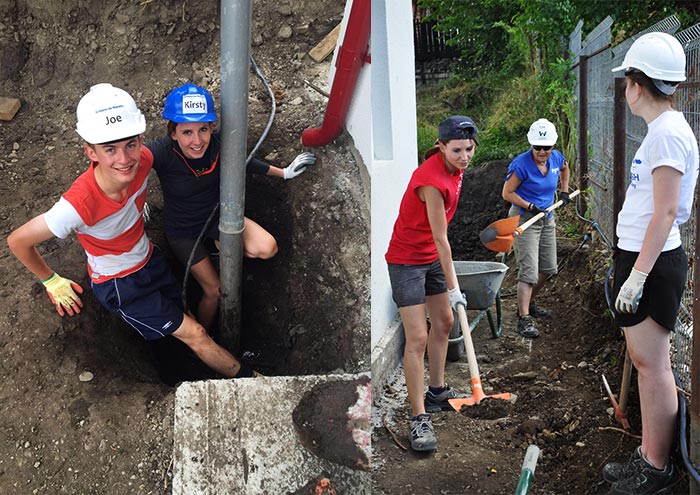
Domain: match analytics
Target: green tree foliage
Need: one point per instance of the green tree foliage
(514, 59)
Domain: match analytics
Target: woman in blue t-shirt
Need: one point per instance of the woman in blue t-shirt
(530, 185)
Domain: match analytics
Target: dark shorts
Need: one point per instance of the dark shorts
(411, 283)
(663, 289)
(182, 247)
(148, 300)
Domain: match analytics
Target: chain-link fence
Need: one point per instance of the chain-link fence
(603, 139)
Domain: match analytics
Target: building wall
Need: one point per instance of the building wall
(394, 148)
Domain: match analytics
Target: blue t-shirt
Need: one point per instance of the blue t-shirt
(534, 187)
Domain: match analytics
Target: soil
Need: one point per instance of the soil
(561, 404)
(86, 406)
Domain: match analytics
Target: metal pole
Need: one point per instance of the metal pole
(583, 127)
(235, 55)
(619, 150)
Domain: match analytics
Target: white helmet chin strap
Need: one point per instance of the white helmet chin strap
(665, 87)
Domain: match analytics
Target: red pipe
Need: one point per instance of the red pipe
(350, 60)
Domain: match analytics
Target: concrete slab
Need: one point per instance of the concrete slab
(258, 436)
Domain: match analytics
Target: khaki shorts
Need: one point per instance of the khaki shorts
(536, 248)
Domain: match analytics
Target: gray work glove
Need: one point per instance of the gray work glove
(457, 298)
(631, 292)
(298, 166)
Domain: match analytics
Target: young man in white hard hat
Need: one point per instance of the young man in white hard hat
(104, 208)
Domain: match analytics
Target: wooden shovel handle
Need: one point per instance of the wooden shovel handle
(468, 344)
(556, 205)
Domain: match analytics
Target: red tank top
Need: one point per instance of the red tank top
(412, 240)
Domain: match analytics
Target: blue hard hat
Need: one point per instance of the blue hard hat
(189, 103)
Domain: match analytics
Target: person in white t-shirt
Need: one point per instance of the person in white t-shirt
(650, 263)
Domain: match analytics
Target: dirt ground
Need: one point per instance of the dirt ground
(304, 312)
(561, 403)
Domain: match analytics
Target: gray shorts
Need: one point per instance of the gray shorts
(411, 283)
(536, 248)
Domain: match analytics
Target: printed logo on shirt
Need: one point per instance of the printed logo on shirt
(634, 173)
(194, 104)
(554, 170)
(168, 325)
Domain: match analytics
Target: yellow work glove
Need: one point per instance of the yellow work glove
(62, 293)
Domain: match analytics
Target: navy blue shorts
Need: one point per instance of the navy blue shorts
(411, 283)
(663, 289)
(148, 300)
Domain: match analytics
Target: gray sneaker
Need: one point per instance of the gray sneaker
(527, 328)
(646, 479)
(422, 433)
(436, 403)
(617, 471)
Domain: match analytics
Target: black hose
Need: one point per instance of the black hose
(684, 442)
(595, 225)
(183, 295)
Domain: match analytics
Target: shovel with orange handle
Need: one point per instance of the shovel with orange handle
(477, 390)
(499, 235)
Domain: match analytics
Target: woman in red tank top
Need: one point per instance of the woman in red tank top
(422, 274)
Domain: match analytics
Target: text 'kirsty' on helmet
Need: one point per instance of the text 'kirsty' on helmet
(189, 103)
(659, 55)
(542, 132)
(107, 114)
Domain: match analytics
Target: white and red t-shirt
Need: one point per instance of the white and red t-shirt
(111, 232)
(412, 241)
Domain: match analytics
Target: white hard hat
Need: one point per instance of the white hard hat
(542, 132)
(659, 55)
(107, 114)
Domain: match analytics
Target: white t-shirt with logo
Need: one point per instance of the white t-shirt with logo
(669, 142)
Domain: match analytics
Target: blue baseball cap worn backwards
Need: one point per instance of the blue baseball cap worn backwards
(457, 127)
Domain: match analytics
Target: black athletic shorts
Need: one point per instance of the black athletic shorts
(663, 288)
(182, 246)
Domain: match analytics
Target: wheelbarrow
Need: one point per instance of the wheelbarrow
(481, 283)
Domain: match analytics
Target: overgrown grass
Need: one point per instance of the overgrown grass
(503, 110)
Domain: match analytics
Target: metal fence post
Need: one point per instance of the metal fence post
(619, 152)
(583, 127)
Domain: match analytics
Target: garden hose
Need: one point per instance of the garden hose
(270, 120)
(596, 226)
(527, 472)
(684, 441)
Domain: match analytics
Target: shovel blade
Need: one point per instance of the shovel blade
(457, 404)
(498, 236)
